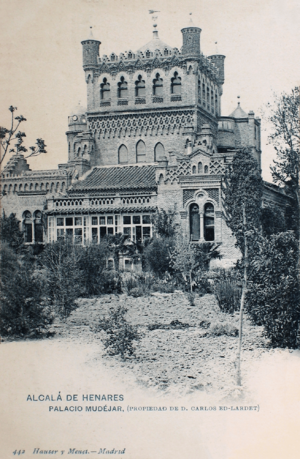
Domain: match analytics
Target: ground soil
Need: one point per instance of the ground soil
(179, 359)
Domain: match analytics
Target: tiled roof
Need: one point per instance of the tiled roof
(117, 178)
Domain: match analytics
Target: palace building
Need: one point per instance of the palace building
(152, 137)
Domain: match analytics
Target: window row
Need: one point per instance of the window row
(82, 229)
(208, 98)
(200, 169)
(140, 87)
(140, 152)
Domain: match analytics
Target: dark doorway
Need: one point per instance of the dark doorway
(194, 222)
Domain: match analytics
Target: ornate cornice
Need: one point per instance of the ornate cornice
(149, 64)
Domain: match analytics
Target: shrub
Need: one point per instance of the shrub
(273, 297)
(137, 284)
(25, 309)
(223, 328)
(10, 232)
(227, 289)
(119, 334)
(110, 281)
(59, 263)
(191, 298)
(156, 255)
(92, 264)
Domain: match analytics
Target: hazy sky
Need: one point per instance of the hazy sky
(41, 56)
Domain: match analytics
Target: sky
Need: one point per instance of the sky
(41, 56)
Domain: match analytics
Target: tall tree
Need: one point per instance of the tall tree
(283, 116)
(242, 186)
(242, 193)
(7, 136)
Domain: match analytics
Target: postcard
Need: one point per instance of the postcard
(149, 243)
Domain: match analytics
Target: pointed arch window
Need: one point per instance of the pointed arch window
(212, 101)
(122, 88)
(38, 226)
(123, 155)
(140, 152)
(203, 95)
(216, 104)
(176, 84)
(140, 87)
(209, 222)
(27, 226)
(207, 98)
(194, 170)
(159, 151)
(105, 90)
(158, 86)
(200, 168)
(205, 169)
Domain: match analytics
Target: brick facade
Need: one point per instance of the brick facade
(153, 116)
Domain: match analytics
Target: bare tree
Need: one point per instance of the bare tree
(7, 136)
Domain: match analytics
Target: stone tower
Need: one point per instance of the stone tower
(191, 40)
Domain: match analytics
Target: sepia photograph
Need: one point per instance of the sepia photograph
(149, 229)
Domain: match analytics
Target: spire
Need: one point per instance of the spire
(216, 43)
(238, 112)
(191, 24)
(91, 36)
(154, 19)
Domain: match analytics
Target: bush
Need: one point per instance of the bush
(10, 232)
(156, 255)
(92, 264)
(59, 266)
(110, 281)
(223, 328)
(119, 334)
(273, 297)
(137, 284)
(25, 309)
(227, 290)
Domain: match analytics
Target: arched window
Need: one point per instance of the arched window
(203, 94)
(105, 90)
(194, 170)
(122, 88)
(123, 155)
(216, 104)
(200, 168)
(158, 85)
(176, 84)
(159, 151)
(166, 52)
(209, 222)
(140, 88)
(27, 226)
(212, 100)
(38, 227)
(205, 169)
(148, 54)
(140, 152)
(194, 222)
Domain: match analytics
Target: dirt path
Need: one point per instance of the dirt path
(72, 363)
(179, 359)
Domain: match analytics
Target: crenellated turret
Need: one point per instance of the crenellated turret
(218, 60)
(90, 52)
(191, 40)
